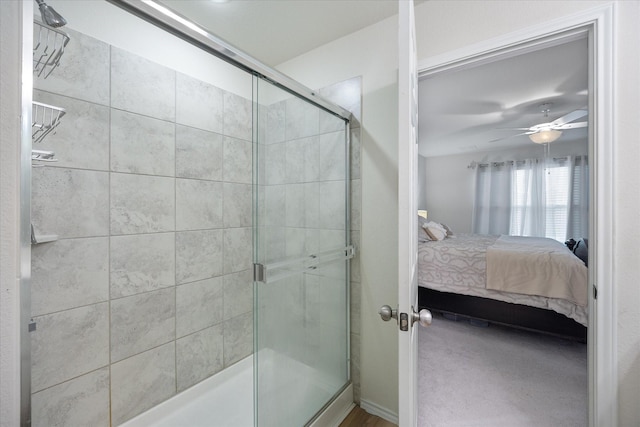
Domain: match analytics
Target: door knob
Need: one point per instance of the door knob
(423, 316)
(387, 313)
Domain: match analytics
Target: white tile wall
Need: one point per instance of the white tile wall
(148, 291)
(132, 303)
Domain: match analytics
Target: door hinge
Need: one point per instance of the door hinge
(258, 273)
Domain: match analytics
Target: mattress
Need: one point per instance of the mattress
(458, 265)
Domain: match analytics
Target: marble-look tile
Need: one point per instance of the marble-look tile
(348, 95)
(356, 204)
(141, 144)
(330, 239)
(238, 338)
(238, 207)
(238, 293)
(83, 72)
(302, 119)
(81, 140)
(199, 204)
(142, 204)
(199, 104)
(141, 382)
(311, 207)
(198, 154)
(355, 365)
(275, 197)
(140, 322)
(275, 168)
(199, 305)
(238, 249)
(70, 202)
(356, 153)
(311, 147)
(275, 127)
(355, 261)
(142, 86)
(238, 116)
(295, 198)
(199, 356)
(332, 205)
(332, 156)
(295, 161)
(199, 255)
(238, 161)
(272, 241)
(82, 401)
(68, 344)
(330, 122)
(142, 263)
(301, 242)
(69, 273)
(355, 309)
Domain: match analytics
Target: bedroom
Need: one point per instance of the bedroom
(481, 175)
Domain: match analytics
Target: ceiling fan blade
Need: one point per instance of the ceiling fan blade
(572, 126)
(510, 136)
(574, 115)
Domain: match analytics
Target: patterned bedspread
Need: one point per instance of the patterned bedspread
(458, 265)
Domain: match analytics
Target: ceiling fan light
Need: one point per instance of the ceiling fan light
(545, 136)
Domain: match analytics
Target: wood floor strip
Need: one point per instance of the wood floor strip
(358, 417)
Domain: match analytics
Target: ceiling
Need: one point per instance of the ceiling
(462, 111)
(274, 31)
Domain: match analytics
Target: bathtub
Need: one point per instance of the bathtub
(226, 398)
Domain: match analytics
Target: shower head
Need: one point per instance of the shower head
(50, 16)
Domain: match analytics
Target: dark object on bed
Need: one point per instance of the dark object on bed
(515, 315)
(579, 249)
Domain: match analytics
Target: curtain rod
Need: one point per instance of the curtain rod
(475, 164)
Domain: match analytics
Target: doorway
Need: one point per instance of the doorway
(600, 361)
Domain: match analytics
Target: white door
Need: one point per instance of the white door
(407, 217)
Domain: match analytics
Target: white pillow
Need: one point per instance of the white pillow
(435, 231)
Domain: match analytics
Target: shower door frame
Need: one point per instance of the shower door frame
(183, 28)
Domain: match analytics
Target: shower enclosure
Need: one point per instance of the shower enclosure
(190, 232)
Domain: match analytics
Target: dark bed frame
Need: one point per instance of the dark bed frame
(500, 312)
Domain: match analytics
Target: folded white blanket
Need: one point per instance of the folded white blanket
(536, 266)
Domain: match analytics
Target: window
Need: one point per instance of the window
(549, 201)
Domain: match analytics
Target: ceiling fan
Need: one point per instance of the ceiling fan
(544, 133)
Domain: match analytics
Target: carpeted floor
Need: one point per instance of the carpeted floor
(497, 376)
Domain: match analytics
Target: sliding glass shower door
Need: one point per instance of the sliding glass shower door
(301, 252)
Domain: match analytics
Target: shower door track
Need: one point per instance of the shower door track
(182, 27)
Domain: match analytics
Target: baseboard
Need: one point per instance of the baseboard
(337, 411)
(379, 411)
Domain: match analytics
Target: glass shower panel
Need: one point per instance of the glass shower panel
(301, 236)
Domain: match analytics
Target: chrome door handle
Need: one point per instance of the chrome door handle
(423, 316)
(387, 313)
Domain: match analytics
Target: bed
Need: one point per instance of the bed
(525, 282)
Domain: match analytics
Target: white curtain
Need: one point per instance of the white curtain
(578, 223)
(533, 198)
(492, 205)
(528, 199)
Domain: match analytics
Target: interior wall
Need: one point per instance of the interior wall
(10, 106)
(443, 26)
(371, 53)
(450, 191)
